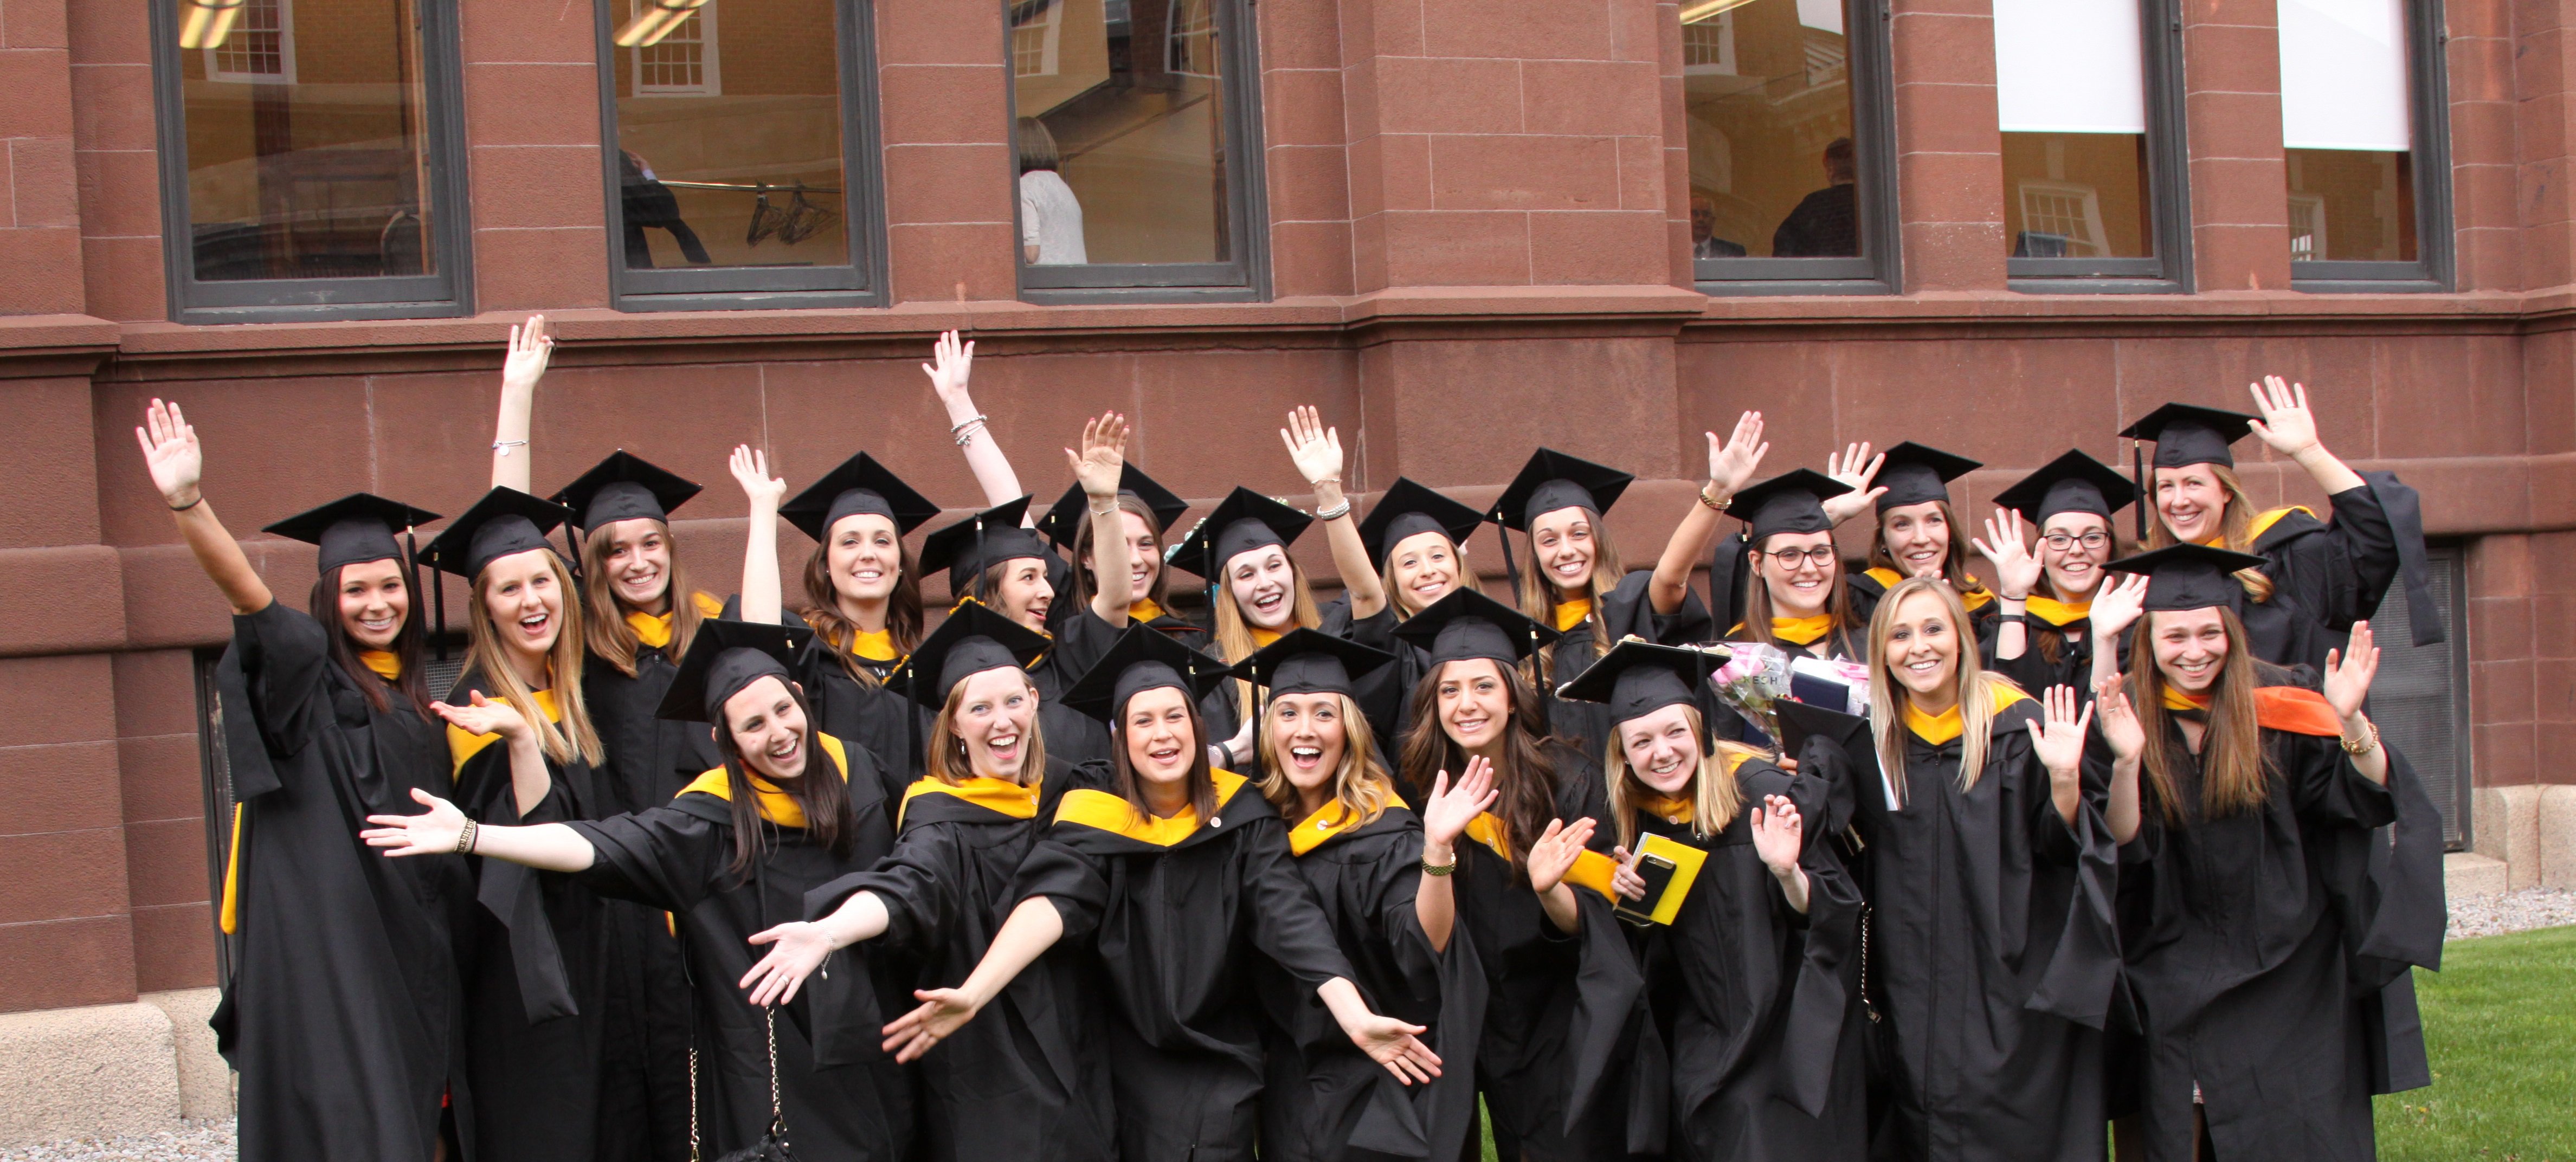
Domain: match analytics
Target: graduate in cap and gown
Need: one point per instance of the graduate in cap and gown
(1564, 1065)
(1781, 580)
(1416, 541)
(342, 1017)
(1919, 533)
(523, 750)
(1031, 1079)
(733, 854)
(1371, 862)
(2318, 576)
(1176, 875)
(2045, 585)
(2268, 930)
(1991, 952)
(1579, 585)
(1259, 594)
(1748, 934)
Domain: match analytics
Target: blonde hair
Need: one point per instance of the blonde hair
(487, 657)
(1361, 783)
(1889, 699)
(1234, 631)
(944, 755)
(604, 627)
(2236, 527)
(1715, 796)
(1538, 594)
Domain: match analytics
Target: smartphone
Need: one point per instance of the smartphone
(1657, 871)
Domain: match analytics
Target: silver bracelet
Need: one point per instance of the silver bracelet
(502, 447)
(1337, 512)
(965, 432)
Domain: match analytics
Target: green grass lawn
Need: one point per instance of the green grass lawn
(2500, 1024)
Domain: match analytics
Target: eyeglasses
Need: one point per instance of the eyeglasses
(2091, 539)
(1819, 556)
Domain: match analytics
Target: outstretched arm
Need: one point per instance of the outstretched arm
(951, 364)
(1730, 466)
(171, 452)
(761, 602)
(2289, 428)
(530, 349)
(1033, 928)
(546, 846)
(1317, 452)
(799, 947)
(1098, 467)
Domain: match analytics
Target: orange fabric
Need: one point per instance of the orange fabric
(2297, 711)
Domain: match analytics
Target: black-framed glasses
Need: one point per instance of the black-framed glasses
(2091, 539)
(1819, 556)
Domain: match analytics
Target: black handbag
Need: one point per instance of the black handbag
(772, 1146)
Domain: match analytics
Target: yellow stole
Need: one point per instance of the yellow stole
(2262, 524)
(875, 647)
(1145, 609)
(1106, 812)
(773, 804)
(2175, 699)
(1001, 796)
(1262, 637)
(1570, 614)
(1975, 599)
(1591, 869)
(386, 663)
(2059, 613)
(654, 629)
(1328, 821)
(1802, 631)
(462, 746)
(1940, 729)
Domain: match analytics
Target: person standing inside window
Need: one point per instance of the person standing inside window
(1826, 223)
(1050, 216)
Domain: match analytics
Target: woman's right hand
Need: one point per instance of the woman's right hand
(797, 948)
(951, 364)
(530, 350)
(2016, 571)
(171, 452)
(751, 470)
(1453, 806)
(2117, 719)
(1314, 448)
(942, 1012)
(484, 716)
(1855, 467)
(432, 832)
(2117, 606)
(1554, 853)
(1104, 454)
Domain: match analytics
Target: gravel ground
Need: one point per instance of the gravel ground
(2512, 912)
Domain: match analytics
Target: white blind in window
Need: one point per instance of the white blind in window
(2069, 66)
(2343, 74)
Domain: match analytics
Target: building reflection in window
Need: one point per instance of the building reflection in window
(1767, 86)
(729, 135)
(2070, 96)
(1120, 131)
(307, 150)
(2346, 129)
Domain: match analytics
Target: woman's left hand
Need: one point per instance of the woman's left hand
(432, 832)
(1316, 449)
(1623, 877)
(1555, 851)
(2058, 738)
(1397, 1046)
(2287, 426)
(1102, 458)
(797, 948)
(2350, 670)
(1731, 465)
(751, 470)
(1779, 833)
(483, 716)
(2016, 570)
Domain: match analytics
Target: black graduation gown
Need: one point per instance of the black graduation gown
(1565, 1064)
(2325, 575)
(1326, 1100)
(1992, 954)
(1029, 1077)
(342, 1013)
(1626, 610)
(1757, 1004)
(677, 857)
(645, 1078)
(863, 714)
(1081, 638)
(537, 978)
(2250, 949)
(1174, 912)
(1386, 696)
(2032, 671)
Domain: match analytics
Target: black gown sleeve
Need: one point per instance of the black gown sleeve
(2339, 574)
(918, 882)
(663, 857)
(282, 654)
(2083, 970)
(1287, 924)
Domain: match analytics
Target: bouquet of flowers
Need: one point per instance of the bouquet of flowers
(1756, 675)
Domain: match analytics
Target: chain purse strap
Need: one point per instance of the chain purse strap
(1866, 1005)
(777, 1113)
(693, 1099)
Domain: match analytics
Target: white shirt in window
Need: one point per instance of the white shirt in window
(1050, 219)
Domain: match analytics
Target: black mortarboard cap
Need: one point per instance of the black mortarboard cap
(1637, 678)
(1142, 658)
(356, 528)
(625, 486)
(2189, 576)
(975, 638)
(858, 485)
(2187, 434)
(1409, 508)
(1064, 520)
(1245, 520)
(505, 521)
(980, 542)
(726, 656)
(2073, 482)
(1792, 502)
(1552, 480)
(1848, 733)
(1310, 661)
(1918, 474)
(1467, 624)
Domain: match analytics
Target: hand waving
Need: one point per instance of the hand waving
(1554, 853)
(1316, 449)
(2287, 426)
(1731, 465)
(2117, 605)
(951, 364)
(171, 452)
(2016, 571)
(531, 348)
(1855, 467)
(1454, 805)
(751, 470)
(2118, 719)
(2350, 670)
(1779, 833)
(1103, 455)
(2058, 739)
(432, 832)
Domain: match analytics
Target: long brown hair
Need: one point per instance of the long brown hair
(2235, 772)
(1361, 783)
(1083, 590)
(944, 755)
(1234, 631)
(1525, 778)
(1889, 699)
(1757, 605)
(1538, 593)
(487, 657)
(2235, 527)
(1396, 597)
(1201, 780)
(824, 798)
(822, 608)
(603, 626)
(1715, 796)
(1954, 561)
(325, 607)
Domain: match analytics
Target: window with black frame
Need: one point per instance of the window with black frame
(2087, 93)
(743, 172)
(1791, 158)
(2363, 133)
(309, 159)
(1137, 132)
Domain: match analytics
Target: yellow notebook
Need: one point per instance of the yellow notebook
(1686, 861)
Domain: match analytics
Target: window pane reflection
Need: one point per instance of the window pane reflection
(1767, 85)
(2077, 195)
(307, 149)
(729, 135)
(2351, 204)
(1121, 131)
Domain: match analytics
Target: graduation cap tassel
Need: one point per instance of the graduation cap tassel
(2138, 476)
(438, 601)
(1511, 568)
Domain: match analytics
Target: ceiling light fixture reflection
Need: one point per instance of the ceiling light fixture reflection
(1704, 9)
(209, 22)
(659, 20)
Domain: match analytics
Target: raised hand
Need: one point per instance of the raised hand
(2016, 571)
(751, 470)
(942, 1012)
(1395, 1045)
(432, 832)
(2349, 671)
(1103, 455)
(1855, 467)
(951, 364)
(796, 949)
(2287, 426)
(1779, 833)
(2058, 739)
(171, 452)
(2117, 606)
(483, 716)
(2117, 719)
(1554, 853)
(1454, 805)
(531, 348)
(1316, 449)
(1731, 465)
